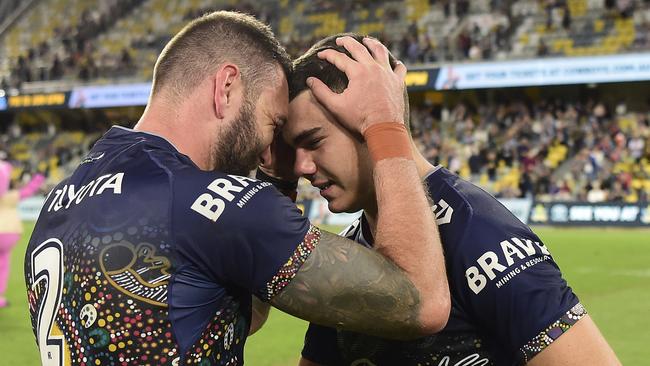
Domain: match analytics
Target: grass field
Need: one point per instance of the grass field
(608, 268)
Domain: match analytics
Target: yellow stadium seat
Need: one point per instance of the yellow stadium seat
(362, 14)
(370, 28)
(464, 171)
(631, 198)
(637, 184)
(16, 172)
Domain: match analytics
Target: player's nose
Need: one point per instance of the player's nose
(304, 165)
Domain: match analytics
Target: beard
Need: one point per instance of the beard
(238, 149)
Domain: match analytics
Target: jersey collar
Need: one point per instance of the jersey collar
(121, 131)
(365, 235)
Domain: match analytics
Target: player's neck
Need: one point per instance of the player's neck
(421, 163)
(169, 124)
(371, 211)
(370, 214)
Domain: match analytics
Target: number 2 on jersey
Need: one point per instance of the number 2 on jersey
(47, 265)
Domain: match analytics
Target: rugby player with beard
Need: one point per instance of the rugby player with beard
(510, 304)
(151, 251)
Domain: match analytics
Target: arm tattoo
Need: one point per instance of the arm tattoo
(346, 285)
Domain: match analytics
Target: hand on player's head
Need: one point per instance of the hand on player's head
(375, 91)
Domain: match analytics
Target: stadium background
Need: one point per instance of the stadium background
(545, 104)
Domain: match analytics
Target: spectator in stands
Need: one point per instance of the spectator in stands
(125, 60)
(23, 71)
(56, 71)
(542, 48)
(10, 224)
(636, 145)
(494, 36)
(616, 193)
(595, 193)
(566, 18)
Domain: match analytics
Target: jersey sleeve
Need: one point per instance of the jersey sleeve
(321, 346)
(246, 234)
(514, 288)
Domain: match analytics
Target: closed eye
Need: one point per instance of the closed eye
(306, 137)
(313, 144)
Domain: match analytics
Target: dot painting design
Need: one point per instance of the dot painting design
(113, 309)
(553, 332)
(288, 271)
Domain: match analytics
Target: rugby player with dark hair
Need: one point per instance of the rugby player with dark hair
(151, 251)
(510, 304)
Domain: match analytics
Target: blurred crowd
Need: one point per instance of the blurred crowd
(44, 150)
(450, 31)
(551, 150)
(480, 37)
(72, 52)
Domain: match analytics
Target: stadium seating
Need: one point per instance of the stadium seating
(121, 38)
(55, 154)
(545, 152)
(581, 28)
(41, 47)
(511, 149)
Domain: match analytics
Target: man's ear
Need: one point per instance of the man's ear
(224, 79)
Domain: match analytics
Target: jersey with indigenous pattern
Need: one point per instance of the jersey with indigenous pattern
(508, 298)
(141, 258)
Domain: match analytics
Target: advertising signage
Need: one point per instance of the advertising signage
(110, 96)
(459, 76)
(545, 71)
(419, 80)
(590, 214)
(40, 100)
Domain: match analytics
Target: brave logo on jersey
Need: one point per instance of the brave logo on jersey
(491, 262)
(213, 203)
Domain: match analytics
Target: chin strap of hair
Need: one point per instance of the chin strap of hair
(287, 188)
(388, 140)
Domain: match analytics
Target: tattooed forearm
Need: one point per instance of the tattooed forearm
(345, 285)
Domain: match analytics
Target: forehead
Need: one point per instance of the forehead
(305, 113)
(274, 97)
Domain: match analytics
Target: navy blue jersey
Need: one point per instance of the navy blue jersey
(141, 258)
(508, 298)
